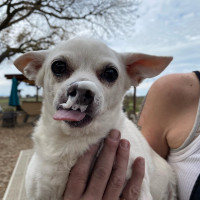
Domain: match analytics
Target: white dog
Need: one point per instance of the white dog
(84, 83)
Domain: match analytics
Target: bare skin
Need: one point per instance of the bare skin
(169, 111)
(108, 175)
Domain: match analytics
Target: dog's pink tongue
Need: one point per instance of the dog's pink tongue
(69, 115)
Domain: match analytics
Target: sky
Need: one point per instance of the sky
(164, 27)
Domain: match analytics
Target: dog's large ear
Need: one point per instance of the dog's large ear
(141, 66)
(30, 63)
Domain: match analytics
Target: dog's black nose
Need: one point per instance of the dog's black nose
(84, 96)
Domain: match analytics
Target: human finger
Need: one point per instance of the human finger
(118, 175)
(103, 167)
(79, 175)
(133, 187)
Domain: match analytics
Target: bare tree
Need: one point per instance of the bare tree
(37, 24)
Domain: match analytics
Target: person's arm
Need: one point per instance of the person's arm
(108, 175)
(169, 111)
(155, 116)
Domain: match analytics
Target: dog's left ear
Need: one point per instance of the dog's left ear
(30, 63)
(141, 66)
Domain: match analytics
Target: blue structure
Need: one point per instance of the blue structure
(14, 99)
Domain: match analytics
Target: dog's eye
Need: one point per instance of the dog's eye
(109, 74)
(59, 68)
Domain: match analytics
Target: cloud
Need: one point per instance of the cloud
(166, 28)
(5, 87)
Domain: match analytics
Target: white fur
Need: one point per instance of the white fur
(57, 146)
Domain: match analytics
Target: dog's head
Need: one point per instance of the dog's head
(83, 78)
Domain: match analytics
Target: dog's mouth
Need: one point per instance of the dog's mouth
(76, 116)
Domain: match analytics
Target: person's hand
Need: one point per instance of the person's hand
(108, 175)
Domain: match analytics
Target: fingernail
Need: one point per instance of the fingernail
(114, 134)
(125, 144)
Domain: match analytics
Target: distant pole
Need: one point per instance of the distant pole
(37, 89)
(134, 101)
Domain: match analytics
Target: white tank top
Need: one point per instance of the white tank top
(186, 163)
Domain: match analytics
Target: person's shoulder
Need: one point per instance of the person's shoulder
(172, 87)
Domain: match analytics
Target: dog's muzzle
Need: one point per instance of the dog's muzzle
(78, 109)
(79, 97)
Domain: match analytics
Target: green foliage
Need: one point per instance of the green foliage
(8, 109)
(128, 104)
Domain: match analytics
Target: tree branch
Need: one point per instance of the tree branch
(6, 23)
(59, 19)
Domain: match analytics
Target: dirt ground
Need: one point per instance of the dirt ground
(12, 141)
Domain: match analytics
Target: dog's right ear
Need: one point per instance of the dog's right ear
(30, 63)
(140, 66)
